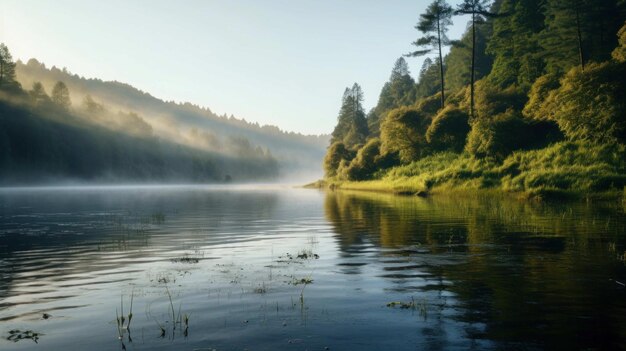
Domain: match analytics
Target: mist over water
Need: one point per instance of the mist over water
(271, 267)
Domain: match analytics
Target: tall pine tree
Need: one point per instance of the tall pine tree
(478, 10)
(434, 25)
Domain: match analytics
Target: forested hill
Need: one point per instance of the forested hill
(183, 123)
(531, 98)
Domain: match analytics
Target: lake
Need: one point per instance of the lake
(279, 268)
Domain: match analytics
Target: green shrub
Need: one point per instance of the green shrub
(336, 153)
(366, 162)
(449, 129)
(591, 105)
(403, 132)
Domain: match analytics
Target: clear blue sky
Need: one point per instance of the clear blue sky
(281, 62)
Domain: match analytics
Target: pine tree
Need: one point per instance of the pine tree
(61, 96)
(479, 13)
(351, 126)
(434, 25)
(38, 95)
(429, 81)
(400, 90)
(7, 67)
(514, 43)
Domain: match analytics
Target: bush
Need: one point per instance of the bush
(366, 162)
(403, 132)
(619, 54)
(591, 105)
(491, 101)
(539, 94)
(336, 153)
(497, 137)
(448, 129)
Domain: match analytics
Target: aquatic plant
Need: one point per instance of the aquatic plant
(16, 335)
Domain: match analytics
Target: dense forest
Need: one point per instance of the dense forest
(183, 123)
(47, 137)
(532, 98)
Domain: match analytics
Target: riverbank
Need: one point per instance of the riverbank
(564, 170)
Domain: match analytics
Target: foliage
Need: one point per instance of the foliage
(448, 129)
(434, 25)
(403, 132)
(578, 32)
(38, 95)
(61, 96)
(458, 71)
(543, 82)
(591, 104)
(337, 152)
(7, 70)
(491, 101)
(367, 161)
(399, 91)
(539, 94)
(351, 126)
(515, 44)
(619, 54)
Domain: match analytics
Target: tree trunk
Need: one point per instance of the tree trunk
(443, 97)
(581, 57)
(473, 64)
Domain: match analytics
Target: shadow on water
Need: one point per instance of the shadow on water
(523, 275)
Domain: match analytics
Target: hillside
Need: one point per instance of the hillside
(530, 99)
(183, 123)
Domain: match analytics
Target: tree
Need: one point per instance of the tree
(351, 126)
(434, 25)
(366, 162)
(91, 106)
(448, 129)
(7, 67)
(514, 43)
(479, 13)
(403, 132)
(399, 91)
(61, 96)
(579, 31)
(458, 72)
(591, 104)
(38, 95)
(336, 154)
(619, 54)
(429, 81)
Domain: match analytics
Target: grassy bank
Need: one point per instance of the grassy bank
(565, 169)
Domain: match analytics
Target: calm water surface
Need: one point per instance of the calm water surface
(276, 268)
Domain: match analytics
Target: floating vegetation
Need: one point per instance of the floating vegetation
(304, 281)
(304, 254)
(16, 335)
(260, 289)
(404, 305)
(186, 259)
(420, 306)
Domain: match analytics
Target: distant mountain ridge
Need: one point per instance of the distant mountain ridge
(184, 122)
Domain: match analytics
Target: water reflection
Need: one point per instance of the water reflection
(381, 272)
(523, 275)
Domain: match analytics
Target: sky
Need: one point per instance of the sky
(278, 62)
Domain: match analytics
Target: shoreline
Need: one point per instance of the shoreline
(407, 190)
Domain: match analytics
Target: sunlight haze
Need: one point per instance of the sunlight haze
(277, 62)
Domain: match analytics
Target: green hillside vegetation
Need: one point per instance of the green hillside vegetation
(531, 99)
(48, 138)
